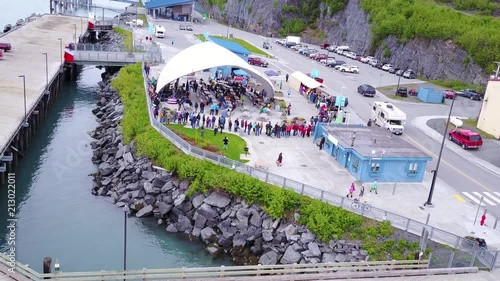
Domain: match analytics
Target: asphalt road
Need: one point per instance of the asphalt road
(470, 180)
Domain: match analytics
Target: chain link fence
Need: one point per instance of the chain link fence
(465, 251)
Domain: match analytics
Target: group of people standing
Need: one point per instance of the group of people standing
(352, 189)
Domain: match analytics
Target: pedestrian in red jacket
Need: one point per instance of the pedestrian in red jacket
(308, 130)
(295, 128)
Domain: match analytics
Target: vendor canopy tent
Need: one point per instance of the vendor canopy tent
(298, 78)
(240, 72)
(207, 55)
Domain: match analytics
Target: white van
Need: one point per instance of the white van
(341, 49)
(159, 31)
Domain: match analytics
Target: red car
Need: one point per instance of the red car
(5, 46)
(466, 138)
(449, 94)
(257, 61)
(1, 54)
(321, 57)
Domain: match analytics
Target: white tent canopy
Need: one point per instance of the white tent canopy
(298, 77)
(207, 55)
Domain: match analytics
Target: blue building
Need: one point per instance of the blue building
(234, 47)
(370, 153)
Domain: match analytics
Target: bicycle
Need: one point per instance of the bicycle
(364, 206)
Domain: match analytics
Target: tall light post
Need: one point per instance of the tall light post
(75, 33)
(25, 123)
(435, 172)
(46, 71)
(126, 211)
(227, 33)
(399, 79)
(60, 42)
(81, 26)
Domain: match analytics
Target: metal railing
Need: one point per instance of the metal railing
(487, 257)
(300, 271)
(116, 57)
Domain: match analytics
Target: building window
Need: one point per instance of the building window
(355, 163)
(413, 168)
(375, 168)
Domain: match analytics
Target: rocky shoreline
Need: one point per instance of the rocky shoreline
(226, 225)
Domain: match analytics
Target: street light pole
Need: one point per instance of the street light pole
(25, 123)
(227, 33)
(435, 172)
(60, 42)
(75, 33)
(126, 210)
(46, 71)
(81, 27)
(399, 79)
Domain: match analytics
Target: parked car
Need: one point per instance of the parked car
(386, 67)
(281, 42)
(332, 48)
(290, 44)
(182, 27)
(320, 57)
(379, 65)
(1, 54)
(324, 46)
(298, 47)
(373, 62)
(351, 55)
(366, 90)
(7, 28)
(402, 92)
(328, 60)
(466, 138)
(393, 70)
(309, 52)
(348, 68)
(314, 55)
(266, 45)
(449, 94)
(367, 59)
(189, 28)
(470, 93)
(399, 72)
(336, 63)
(302, 49)
(5, 46)
(410, 74)
(257, 61)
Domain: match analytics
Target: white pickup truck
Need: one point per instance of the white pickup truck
(137, 22)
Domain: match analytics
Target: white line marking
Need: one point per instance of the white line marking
(484, 199)
(492, 197)
(471, 197)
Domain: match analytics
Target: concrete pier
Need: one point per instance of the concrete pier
(24, 106)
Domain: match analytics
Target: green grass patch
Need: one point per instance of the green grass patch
(473, 123)
(140, 4)
(127, 35)
(212, 143)
(387, 88)
(200, 37)
(395, 97)
(426, 19)
(455, 85)
(253, 49)
(323, 219)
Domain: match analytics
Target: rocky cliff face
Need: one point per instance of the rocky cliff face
(432, 59)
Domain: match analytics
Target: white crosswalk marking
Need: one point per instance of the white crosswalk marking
(492, 197)
(484, 198)
(474, 199)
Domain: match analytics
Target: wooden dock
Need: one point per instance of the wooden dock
(29, 43)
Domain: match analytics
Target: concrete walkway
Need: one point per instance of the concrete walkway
(305, 163)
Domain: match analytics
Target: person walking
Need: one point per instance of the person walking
(202, 131)
(352, 188)
(321, 143)
(289, 108)
(280, 160)
(225, 141)
(289, 92)
(286, 77)
(374, 186)
(361, 190)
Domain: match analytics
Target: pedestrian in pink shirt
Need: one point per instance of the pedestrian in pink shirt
(352, 188)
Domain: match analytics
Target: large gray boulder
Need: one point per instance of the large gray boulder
(328, 257)
(144, 212)
(207, 234)
(239, 240)
(198, 200)
(267, 235)
(307, 237)
(183, 224)
(200, 221)
(290, 256)
(207, 211)
(314, 248)
(164, 208)
(269, 258)
(256, 219)
(167, 186)
(217, 199)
